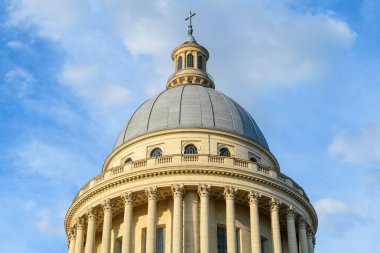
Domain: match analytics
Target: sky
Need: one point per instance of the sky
(72, 72)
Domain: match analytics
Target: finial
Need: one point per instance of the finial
(190, 27)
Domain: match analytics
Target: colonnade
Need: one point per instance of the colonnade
(305, 235)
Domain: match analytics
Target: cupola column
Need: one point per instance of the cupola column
(177, 191)
(107, 225)
(253, 198)
(204, 192)
(229, 195)
(152, 194)
(276, 235)
(310, 241)
(191, 206)
(128, 199)
(79, 240)
(91, 226)
(291, 230)
(72, 236)
(302, 236)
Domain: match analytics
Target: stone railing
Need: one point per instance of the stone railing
(188, 160)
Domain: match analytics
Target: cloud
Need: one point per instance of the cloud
(15, 44)
(330, 206)
(49, 223)
(357, 146)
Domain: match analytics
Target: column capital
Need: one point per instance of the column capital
(275, 204)
(290, 214)
(80, 223)
(177, 190)
(204, 190)
(302, 223)
(72, 233)
(309, 233)
(230, 192)
(128, 198)
(151, 193)
(254, 197)
(107, 205)
(92, 213)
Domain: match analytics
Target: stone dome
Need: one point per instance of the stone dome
(191, 106)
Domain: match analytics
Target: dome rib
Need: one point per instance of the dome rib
(191, 106)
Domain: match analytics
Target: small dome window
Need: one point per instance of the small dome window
(179, 63)
(200, 61)
(128, 160)
(156, 152)
(191, 150)
(224, 152)
(252, 159)
(190, 61)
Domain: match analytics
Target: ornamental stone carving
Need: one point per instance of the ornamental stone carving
(128, 198)
(72, 233)
(152, 193)
(80, 223)
(290, 214)
(301, 223)
(254, 197)
(275, 204)
(178, 190)
(230, 192)
(107, 205)
(92, 213)
(204, 190)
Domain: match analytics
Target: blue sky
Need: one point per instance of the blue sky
(71, 73)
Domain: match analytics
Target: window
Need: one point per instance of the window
(252, 159)
(160, 240)
(224, 152)
(119, 243)
(128, 160)
(191, 149)
(179, 62)
(143, 240)
(190, 61)
(221, 237)
(264, 245)
(200, 61)
(156, 152)
(237, 240)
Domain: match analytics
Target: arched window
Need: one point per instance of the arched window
(190, 61)
(190, 149)
(156, 152)
(224, 152)
(128, 160)
(200, 61)
(252, 159)
(179, 62)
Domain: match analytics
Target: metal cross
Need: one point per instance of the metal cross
(190, 16)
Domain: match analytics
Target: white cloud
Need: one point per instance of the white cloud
(50, 223)
(329, 206)
(361, 145)
(15, 44)
(18, 82)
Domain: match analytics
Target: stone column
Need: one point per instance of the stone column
(91, 227)
(291, 229)
(191, 238)
(72, 236)
(204, 191)
(152, 194)
(128, 199)
(177, 191)
(310, 243)
(107, 225)
(253, 198)
(229, 195)
(304, 248)
(79, 240)
(276, 235)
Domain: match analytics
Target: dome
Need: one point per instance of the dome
(191, 106)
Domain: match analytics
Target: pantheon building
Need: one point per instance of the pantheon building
(191, 172)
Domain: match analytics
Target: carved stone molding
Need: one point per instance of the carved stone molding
(72, 233)
(275, 204)
(230, 192)
(254, 197)
(107, 205)
(151, 192)
(310, 234)
(92, 213)
(204, 190)
(177, 190)
(128, 198)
